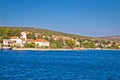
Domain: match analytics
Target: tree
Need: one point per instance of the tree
(6, 33)
(56, 43)
(1, 40)
(70, 43)
(53, 45)
(31, 36)
(30, 45)
(92, 44)
(114, 46)
(5, 37)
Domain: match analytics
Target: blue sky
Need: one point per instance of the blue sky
(83, 17)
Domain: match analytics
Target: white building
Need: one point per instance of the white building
(119, 46)
(42, 42)
(14, 38)
(6, 42)
(24, 35)
(20, 42)
(14, 41)
(77, 42)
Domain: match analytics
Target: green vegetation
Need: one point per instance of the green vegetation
(56, 43)
(30, 45)
(85, 42)
(31, 36)
(70, 43)
(6, 33)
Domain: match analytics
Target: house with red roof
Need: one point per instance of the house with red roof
(14, 38)
(42, 43)
(14, 41)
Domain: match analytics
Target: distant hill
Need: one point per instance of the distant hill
(117, 38)
(51, 32)
(45, 31)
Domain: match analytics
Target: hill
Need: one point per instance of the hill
(43, 31)
(57, 39)
(114, 38)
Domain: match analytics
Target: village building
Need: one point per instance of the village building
(14, 41)
(56, 37)
(97, 44)
(119, 46)
(37, 35)
(7, 42)
(19, 43)
(42, 43)
(14, 38)
(66, 38)
(77, 42)
(108, 45)
(24, 34)
(61, 37)
(23, 40)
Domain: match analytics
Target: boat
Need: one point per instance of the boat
(6, 48)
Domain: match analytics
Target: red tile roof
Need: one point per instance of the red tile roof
(40, 40)
(14, 37)
(26, 32)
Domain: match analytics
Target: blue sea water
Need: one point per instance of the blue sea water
(60, 65)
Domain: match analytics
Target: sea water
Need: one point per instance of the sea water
(60, 65)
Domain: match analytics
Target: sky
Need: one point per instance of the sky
(96, 18)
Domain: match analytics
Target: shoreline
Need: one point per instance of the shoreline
(44, 49)
(57, 49)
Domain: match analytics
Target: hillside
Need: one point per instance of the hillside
(115, 38)
(57, 39)
(44, 31)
